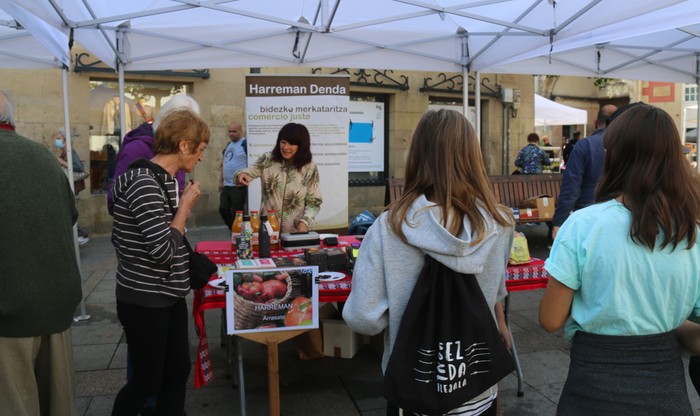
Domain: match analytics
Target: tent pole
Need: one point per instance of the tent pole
(477, 105)
(69, 158)
(465, 92)
(120, 69)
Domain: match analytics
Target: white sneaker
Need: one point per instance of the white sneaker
(83, 240)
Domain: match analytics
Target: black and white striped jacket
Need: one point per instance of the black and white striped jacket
(153, 263)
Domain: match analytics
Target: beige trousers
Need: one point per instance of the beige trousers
(36, 376)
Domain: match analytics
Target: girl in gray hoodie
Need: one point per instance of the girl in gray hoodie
(448, 211)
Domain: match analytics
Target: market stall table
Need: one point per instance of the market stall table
(529, 276)
(208, 298)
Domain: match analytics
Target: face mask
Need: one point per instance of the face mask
(59, 143)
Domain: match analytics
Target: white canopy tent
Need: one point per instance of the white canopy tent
(28, 42)
(670, 55)
(436, 35)
(551, 113)
(656, 53)
(509, 36)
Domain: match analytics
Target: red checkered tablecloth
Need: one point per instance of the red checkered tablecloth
(528, 276)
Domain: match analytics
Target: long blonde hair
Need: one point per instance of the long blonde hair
(445, 164)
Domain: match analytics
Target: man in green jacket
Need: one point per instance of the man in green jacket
(40, 284)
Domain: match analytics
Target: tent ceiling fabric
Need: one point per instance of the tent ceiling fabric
(28, 42)
(655, 53)
(436, 35)
(551, 113)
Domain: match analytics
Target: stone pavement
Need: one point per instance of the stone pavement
(327, 386)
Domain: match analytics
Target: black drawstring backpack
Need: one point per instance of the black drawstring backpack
(448, 349)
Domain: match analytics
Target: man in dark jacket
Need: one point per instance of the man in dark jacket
(40, 284)
(583, 169)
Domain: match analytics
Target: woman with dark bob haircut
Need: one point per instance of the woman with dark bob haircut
(625, 274)
(290, 180)
(153, 265)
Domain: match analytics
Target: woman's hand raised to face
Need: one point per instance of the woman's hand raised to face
(190, 195)
(189, 198)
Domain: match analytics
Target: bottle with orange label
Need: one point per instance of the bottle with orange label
(275, 225)
(255, 224)
(236, 228)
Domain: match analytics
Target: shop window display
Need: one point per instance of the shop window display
(142, 102)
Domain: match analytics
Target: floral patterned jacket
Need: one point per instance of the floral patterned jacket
(294, 194)
(531, 158)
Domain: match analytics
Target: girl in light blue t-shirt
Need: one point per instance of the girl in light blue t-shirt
(625, 274)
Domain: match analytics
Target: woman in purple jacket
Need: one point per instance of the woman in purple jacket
(138, 143)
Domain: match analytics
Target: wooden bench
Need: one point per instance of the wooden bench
(510, 190)
(394, 189)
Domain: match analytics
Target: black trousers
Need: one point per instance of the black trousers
(231, 199)
(159, 348)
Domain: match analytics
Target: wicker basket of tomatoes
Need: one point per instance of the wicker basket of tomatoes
(261, 298)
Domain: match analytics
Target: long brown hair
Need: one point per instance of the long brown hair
(645, 166)
(445, 164)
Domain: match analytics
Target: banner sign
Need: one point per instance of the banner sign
(321, 104)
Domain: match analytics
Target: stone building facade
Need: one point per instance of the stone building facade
(37, 95)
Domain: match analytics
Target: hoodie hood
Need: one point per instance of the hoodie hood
(423, 229)
(143, 133)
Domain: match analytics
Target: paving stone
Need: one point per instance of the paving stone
(327, 386)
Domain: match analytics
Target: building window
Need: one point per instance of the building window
(690, 93)
(143, 100)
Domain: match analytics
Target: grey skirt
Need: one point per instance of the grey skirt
(625, 375)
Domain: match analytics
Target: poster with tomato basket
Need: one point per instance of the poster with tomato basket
(277, 299)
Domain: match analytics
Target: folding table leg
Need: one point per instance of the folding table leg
(241, 379)
(222, 328)
(232, 352)
(518, 369)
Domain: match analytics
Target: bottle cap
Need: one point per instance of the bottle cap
(246, 217)
(239, 210)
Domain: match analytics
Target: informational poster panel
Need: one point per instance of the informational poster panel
(264, 300)
(321, 104)
(366, 137)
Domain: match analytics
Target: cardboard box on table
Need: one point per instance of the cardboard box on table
(528, 214)
(542, 207)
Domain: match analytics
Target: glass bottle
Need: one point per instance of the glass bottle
(275, 226)
(244, 248)
(255, 224)
(264, 238)
(236, 228)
